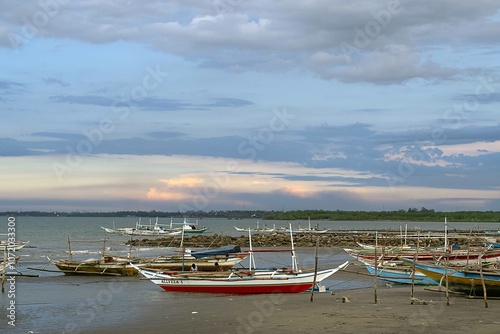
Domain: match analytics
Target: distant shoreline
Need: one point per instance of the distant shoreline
(410, 215)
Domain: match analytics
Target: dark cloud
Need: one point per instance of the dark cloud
(229, 102)
(485, 96)
(11, 87)
(269, 36)
(149, 103)
(165, 134)
(84, 99)
(54, 81)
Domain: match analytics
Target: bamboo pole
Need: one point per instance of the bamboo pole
(446, 278)
(69, 250)
(415, 256)
(315, 269)
(482, 281)
(468, 247)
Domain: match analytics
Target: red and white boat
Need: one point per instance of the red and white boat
(245, 281)
(239, 282)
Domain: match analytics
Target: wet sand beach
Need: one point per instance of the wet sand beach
(136, 306)
(295, 313)
(326, 314)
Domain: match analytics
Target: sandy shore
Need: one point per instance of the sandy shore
(54, 303)
(295, 313)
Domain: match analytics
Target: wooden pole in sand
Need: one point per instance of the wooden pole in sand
(315, 269)
(376, 267)
(468, 248)
(446, 277)
(415, 256)
(482, 280)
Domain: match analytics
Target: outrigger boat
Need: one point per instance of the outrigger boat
(185, 228)
(15, 246)
(247, 281)
(465, 280)
(401, 274)
(222, 258)
(107, 265)
(257, 229)
(157, 229)
(455, 257)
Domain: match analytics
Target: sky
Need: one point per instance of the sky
(249, 105)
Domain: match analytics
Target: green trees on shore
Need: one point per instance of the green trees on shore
(412, 214)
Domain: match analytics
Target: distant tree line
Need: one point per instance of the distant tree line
(412, 214)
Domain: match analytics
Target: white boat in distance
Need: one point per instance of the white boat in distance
(157, 229)
(12, 246)
(257, 229)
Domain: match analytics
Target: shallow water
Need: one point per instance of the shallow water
(55, 303)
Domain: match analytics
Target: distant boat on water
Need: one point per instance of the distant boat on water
(157, 229)
(15, 246)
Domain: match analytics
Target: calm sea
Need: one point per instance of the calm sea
(55, 303)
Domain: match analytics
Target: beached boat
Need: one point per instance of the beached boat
(222, 258)
(463, 280)
(207, 260)
(401, 274)
(188, 262)
(240, 282)
(246, 281)
(107, 265)
(455, 257)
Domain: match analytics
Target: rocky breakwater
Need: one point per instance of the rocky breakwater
(344, 240)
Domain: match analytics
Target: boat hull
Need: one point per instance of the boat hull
(401, 276)
(95, 268)
(455, 258)
(238, 289)
(203, 264)
(240, 282)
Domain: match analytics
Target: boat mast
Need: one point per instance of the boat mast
(445, 235)
(406, 233)
(295, 266)
(250, 252)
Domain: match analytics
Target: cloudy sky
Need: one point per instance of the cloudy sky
(256, 105)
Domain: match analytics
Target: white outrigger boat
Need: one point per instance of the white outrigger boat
(12, 246)
(244, 281)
